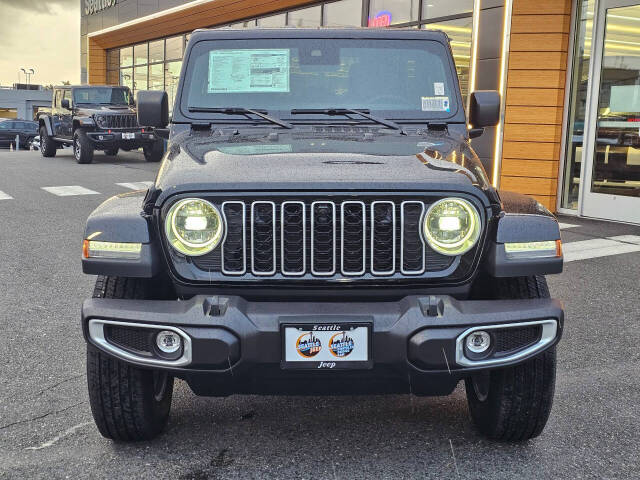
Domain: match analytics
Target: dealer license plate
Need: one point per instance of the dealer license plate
(326, 346)
(128, 136)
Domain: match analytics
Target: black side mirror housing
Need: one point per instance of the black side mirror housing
(484, 108)
(153, 108)
(65, 103)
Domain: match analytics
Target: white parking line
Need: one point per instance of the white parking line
(136, 185)
(70, 190)
(600, 247)
(564, 226)
(5, 196)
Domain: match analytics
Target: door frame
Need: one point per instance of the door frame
(601, 205)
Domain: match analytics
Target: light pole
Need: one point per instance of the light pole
(28, 72)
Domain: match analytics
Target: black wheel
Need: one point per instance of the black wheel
(48, 147)
(111, 152)
(82, 147)
(127, 403)
(153, 152)
(514, 403)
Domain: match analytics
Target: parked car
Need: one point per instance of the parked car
(93, 118)
(35, 143)
(23, 129)
(320, 225)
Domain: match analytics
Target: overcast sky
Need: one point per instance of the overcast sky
(41, 34)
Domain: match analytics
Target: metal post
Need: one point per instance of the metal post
(17, 142)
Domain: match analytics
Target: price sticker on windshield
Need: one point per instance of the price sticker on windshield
(249, 71)
(436, 104)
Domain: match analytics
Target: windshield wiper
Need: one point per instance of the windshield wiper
(363, 112)
(241, 111)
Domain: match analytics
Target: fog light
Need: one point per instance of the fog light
(478, 342)
(168, 342)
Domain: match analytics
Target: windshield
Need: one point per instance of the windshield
(402, 79)
(104, 95)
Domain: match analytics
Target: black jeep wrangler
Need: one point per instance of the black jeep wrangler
(320, 225)
(95, 118)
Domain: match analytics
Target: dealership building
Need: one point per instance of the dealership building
(568, 71)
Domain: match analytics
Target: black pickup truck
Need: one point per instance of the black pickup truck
(320, 225)
(95, 118)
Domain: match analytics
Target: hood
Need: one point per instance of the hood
(96, 109)
(349, 160)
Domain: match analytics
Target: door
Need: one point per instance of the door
(5, 132)
(611, 187)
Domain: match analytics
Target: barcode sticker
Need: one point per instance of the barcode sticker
(435, 104)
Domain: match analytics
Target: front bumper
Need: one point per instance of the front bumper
(235, 346)
(114, 138)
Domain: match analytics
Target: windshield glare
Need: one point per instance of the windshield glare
(396, 78)
(105, 95)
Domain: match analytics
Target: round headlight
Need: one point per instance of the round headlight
(452, 226)
(194, 227)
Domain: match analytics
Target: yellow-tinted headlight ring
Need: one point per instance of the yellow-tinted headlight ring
(467, 242)
(191, 249)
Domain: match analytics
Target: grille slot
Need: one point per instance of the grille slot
(510, 339)
(349, 238)
(130, 338)
(323, 238)
(119, 121)
(383, 238)
(234, 247)
(263, 238)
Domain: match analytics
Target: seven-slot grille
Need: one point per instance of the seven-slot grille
(323, 239)
(119, 121)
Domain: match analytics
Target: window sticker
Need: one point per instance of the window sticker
(249, 71)
(435, 104)
(438, 88)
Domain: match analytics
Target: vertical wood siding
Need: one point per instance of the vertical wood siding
(535, 98)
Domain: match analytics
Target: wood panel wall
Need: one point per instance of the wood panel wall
(97, 67)
(535, 98)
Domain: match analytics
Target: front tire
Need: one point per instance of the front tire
(127, 403)
(48, 146)
(153, 152)
(514, 403)
(82, 147)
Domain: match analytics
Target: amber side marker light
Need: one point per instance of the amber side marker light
(551, 248)
(117, 250)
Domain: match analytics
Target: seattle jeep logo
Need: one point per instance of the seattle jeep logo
(95, 6)
(308, 345)
(341, 344)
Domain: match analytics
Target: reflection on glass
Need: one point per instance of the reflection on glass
(126, 77)
(347, 13)
(140, 54)
(459, 32)
(156, 51)
(140, 78)
(577, 104)
(156, 77)
(616, 164)
(383, 13)
(307, 17)
(274, 21)
(126, 57)
(171, 77)
(443, 8)
(174, 48)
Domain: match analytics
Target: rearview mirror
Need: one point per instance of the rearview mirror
(65, 103)
(153, 108)
(484, 108)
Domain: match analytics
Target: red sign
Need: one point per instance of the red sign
(382, 19)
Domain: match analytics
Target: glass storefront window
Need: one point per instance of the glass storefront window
(577, 104)
(140, 78)
(444, 8)
(171, 77)
(174, 48)
(126, 57)
(140, 54)
(156, 51)
(347, 13)
(383, 13)
(307, 17)
(460, 36)
(126, 77)
(273, 21)
(156, 76)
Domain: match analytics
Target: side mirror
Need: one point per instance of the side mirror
(65, 103)
(484, 108)
(153, 108)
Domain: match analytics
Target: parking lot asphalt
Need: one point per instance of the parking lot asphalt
(46, 428)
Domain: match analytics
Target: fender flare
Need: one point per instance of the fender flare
(46, 121)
